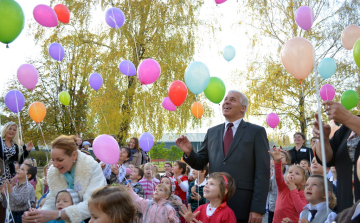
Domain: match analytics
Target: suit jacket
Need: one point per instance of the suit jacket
(346, 215)
(296, 157)
(247, 161)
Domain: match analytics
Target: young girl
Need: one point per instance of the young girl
(174, 200)
(181, 181)
(111, 204)
(116, 173)
(149, 182)
(291, 199)
(157, 210)
(219, 188)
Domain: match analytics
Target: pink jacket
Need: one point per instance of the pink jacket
(154, 212)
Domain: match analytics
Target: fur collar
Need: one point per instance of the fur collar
(83, 169)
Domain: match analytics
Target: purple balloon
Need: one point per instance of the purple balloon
(45, 16)
(106, 149)
(28, 76)
(57, 51)
(146, 141)
(168, 105)
(272, 120)
(14, 100)
(114, 17)
(327, 92)
(95, 81)
(304, 17)
(127, 68)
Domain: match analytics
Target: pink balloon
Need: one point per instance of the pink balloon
(272, 120)
(168, 105)
(28, 76)
(219, 1)
(128, 170)
(106, 149)
(149, 71)
(45, 16)
(304, 17)
(349, 36)
(327, 92)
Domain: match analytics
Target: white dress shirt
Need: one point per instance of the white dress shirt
(319, 207)
(234, 127)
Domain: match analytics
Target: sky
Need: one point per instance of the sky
(208, 49)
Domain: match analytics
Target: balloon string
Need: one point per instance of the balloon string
(105, 119)
(134, 36)
(321, 131)
(46, 147)
(72, 120)
(113, 18)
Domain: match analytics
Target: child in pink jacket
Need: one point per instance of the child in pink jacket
(157, 210)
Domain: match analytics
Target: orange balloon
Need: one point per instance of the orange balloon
(37, 111)
(197, 109)
(297, 56)
(349, 36)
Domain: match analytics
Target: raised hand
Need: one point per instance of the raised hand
(187, 213)
(128, 187)
(196, 196)
(29, 146)
(184, 144)
(276, 155)
(316, 130)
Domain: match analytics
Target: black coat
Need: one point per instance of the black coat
(247, 161)
(296, 157)
(14, 158)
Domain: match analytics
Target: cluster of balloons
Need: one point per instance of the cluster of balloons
(48, 17)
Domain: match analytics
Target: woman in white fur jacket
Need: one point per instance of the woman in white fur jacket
(71, 169)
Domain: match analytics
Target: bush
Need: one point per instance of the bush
(40, 157)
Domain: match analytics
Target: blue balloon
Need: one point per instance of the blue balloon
(229, 53)
(327, 67)
(127, 67)
(197, 77)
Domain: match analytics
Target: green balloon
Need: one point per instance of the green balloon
(12, 20)
(349, 99)
(64, 98)
(215, 91)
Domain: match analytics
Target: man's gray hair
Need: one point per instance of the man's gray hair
(243, 99)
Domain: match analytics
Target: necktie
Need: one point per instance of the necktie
(313, 213)
(228, 137)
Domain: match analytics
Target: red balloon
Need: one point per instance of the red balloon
(62, 13)
(177, 92)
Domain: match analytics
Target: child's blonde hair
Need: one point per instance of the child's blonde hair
(165, 188)
(332, 198)
(222, 177)
(152, 168)
(303, 173)
(115, 202)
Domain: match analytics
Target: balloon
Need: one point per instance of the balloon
(114, 17)
(128, 170)
(215, 91)
(45, 16)
(327, 92)
(272, 120)
(127, 67)
(28, 76)
(197, 77)
(106, 149)
(197, 109)
(229, 53)
(297, 56)
(349, 99)
(95, 81)
(356, 53)
(149, 71)
(349, 36)
(219, 1)
(62, 13)
(327, 67)
(12, 20)
(304, 17)
(37, 111)
(168, 105)
(57, 51)
(14, 100)
(177, 92)
(64, 98)
(146, 141)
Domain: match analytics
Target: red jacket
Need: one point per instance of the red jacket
(222, 215)
(178, 191)
(289, 204)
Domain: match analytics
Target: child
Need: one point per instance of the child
(181, 181)
(195, 195)
(64, 199)
(85, 148)
(304, 163)
(149, 182)
(116, 173)
(174, 200)
(317, 169)
(22, 194)
(111, 204)
(135, 176)
(219, 188)
(157, 210)
(291, 199)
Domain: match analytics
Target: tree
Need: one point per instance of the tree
(174, 153)
(270, 87)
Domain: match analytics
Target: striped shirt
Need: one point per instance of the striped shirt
(20, 197)
(149, 187)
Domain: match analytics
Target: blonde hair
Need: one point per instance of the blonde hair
(115, 202)
(33, 162)
(66, 143)
(303, 173)
(332, 198)
(152, 168)
(165, 188)
(16, 139)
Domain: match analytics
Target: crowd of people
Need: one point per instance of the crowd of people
(239, 182)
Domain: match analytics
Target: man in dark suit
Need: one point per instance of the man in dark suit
(300, 152)
(240, 149)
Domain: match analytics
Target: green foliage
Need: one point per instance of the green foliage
(159, 152)
(40, 157)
